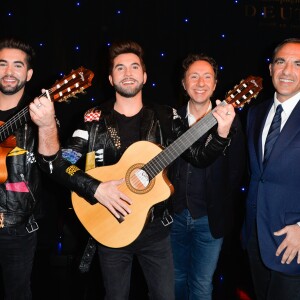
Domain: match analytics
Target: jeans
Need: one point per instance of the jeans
(17, 249)
(269, 284)
(154, 255)
(195, 254)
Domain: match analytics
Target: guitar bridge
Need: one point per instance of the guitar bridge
(121, 219)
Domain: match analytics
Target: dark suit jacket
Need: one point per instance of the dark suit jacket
(274, 193)
(221, 182)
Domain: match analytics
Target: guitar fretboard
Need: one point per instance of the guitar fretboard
(8, 128)
(169, 154)
(67, 87)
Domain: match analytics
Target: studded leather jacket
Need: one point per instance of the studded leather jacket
(99, 132)
(21, 192)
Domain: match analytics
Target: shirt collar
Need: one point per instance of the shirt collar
(287, 105)
(191, 117)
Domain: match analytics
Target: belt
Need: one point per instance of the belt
(163, 214)
(12, 220)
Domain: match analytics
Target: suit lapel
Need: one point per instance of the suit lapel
(260, 117)
(288, 133)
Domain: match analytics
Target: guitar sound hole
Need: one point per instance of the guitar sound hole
(138, 180)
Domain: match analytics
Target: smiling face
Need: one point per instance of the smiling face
(14, 72)
(285, 71)
(199, 81)
(127, 76)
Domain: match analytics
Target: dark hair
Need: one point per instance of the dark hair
(14, 43)
(122, 47)
(191, 58)
(284, 42)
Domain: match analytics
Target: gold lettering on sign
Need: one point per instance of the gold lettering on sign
(283, 14)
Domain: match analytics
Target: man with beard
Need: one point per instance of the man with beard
(101, 140)
(20, 185)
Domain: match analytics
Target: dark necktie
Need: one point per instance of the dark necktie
(273, 133)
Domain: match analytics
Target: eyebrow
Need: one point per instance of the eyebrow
(15, 62)
(283, 59)
(133, 64)
(278, 58)
(206, 73)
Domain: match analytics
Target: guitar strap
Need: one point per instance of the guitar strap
(88, 255)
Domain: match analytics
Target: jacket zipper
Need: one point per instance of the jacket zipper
(23, 179)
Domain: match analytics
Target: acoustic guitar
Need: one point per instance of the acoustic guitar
(64, 89)
(143, 165)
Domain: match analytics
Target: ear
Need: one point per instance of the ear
(182, 82)
(29, 74)
(270, 68)
(215, 84)
(110, 80)
(145, 77)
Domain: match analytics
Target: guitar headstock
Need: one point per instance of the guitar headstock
(70, 85)
(245, 91)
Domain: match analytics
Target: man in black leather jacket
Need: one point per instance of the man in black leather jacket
(101, 140)
(20, 186)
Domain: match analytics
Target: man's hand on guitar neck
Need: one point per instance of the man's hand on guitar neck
(109, 195)
(42, 113)
(224, 113)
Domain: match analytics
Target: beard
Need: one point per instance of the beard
(9, 90)
(128, 92)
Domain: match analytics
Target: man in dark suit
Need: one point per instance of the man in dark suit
(271, 233)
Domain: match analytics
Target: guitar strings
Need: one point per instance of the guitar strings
(22, 114)
(169, 154)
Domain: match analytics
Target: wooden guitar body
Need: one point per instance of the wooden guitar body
(97, 219)
(5, 147)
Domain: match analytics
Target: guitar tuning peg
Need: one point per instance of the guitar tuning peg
(228, 93)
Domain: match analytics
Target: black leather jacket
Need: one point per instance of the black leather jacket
(160, 124)
(20, 193)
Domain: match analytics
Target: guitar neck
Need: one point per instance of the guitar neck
(67, 87)
(169, 154)
(14, 123)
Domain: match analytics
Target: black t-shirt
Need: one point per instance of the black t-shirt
(129, 129)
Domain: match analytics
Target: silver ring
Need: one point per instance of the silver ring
(39, 105)
(228, 113)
